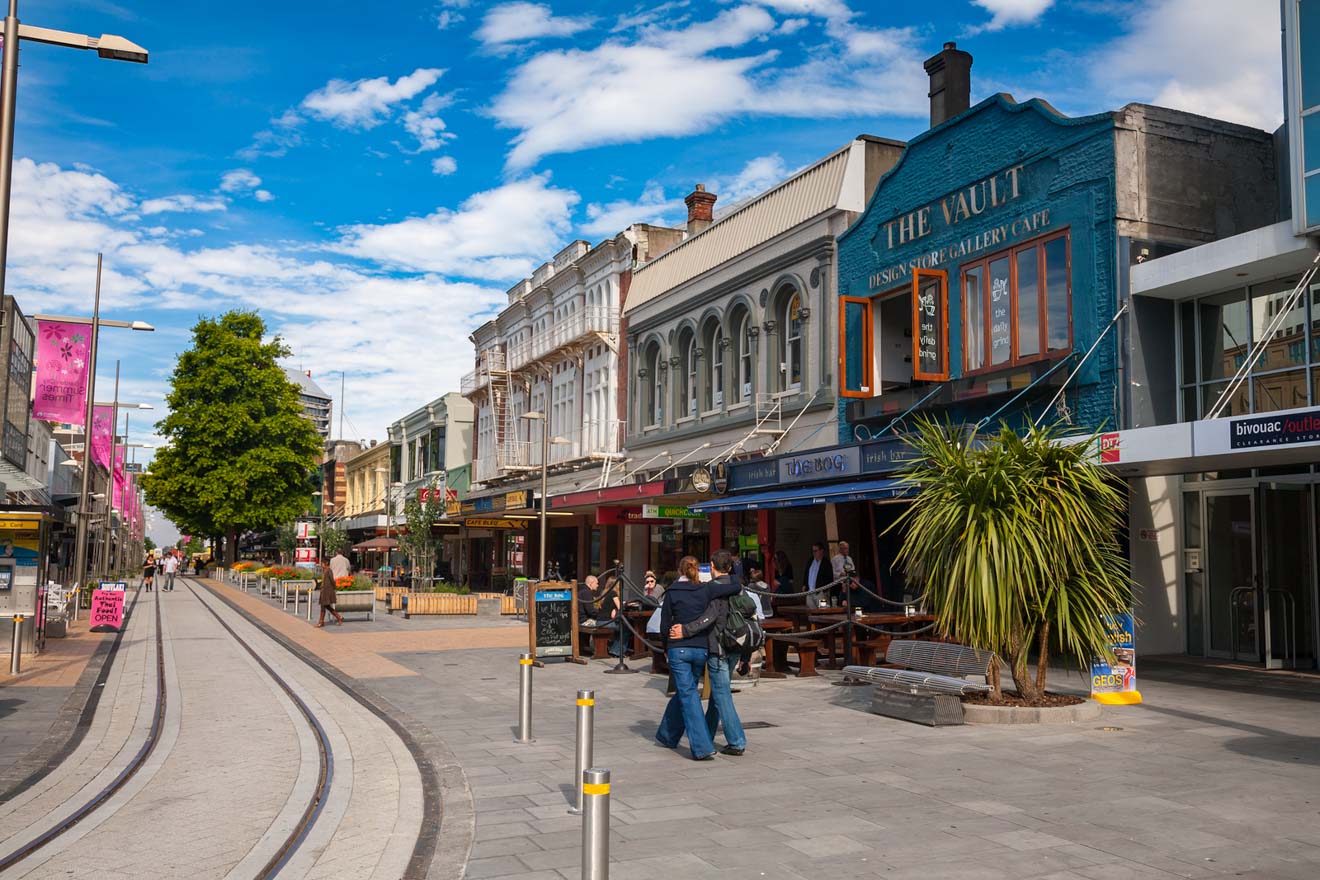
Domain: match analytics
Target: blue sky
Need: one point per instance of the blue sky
(372, 177)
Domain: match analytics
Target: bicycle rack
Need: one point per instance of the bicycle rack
(1233, 605)
(1289, 622)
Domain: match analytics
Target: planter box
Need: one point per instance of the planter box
(509, 605)
(440, 603)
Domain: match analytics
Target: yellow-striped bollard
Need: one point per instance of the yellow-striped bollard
(586, 734)
(524, 698)
(596, 824)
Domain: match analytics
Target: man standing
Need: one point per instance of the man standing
(817, 575)
(171, 565)
(340, 566)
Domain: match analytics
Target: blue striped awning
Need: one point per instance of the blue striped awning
(805, 496)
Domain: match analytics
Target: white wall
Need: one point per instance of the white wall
(1155, 507)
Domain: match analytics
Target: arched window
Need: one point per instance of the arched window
(715, 377)
(653, 395)
(742, 357)
(791, 366)
(688, 368)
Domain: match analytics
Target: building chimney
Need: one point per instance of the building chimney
(950, 75)
(701, 209)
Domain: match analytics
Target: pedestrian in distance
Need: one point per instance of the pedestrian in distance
(685, 600)
(719, 660)
(148, 572)
(170, 566)
(327, 600)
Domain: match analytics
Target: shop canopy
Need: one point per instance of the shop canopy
(805, 496)
(377, 544)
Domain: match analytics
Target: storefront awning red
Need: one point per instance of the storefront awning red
(633, 492)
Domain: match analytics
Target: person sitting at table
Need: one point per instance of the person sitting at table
(586, 599)
(755, 582)
(783, 573)
(856, 595)
(652, 591)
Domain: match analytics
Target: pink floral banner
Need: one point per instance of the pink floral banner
(103, 424)
(118, 497)
(62, 357)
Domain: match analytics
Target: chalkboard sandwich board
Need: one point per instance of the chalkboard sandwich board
(553, 621)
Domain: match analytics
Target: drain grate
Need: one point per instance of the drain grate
(757, 725)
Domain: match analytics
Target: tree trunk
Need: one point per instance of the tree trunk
(992, 679)
(1043, 656)
(1021, 648)
(231, 545)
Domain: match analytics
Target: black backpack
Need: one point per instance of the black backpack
(741, 630)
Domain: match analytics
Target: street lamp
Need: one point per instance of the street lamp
(6, 160)
(545, 474)
(108, 46)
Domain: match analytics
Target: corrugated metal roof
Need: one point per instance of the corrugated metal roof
(806, 194)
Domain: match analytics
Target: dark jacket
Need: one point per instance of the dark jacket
(711, 621)
(683, 602)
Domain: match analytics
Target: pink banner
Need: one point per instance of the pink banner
(103, 425)
(62, 356)
(118, 497)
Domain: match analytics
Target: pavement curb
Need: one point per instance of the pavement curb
(978, 714)
(448, 814)
(73, 722)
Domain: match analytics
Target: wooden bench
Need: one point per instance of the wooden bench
(347, 601)
(600, 636)
(439, 603)
(807, 650)
(925, 681)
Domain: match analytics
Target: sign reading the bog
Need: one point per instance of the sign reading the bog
(108, 606)
(1116, 683)
(553, 622)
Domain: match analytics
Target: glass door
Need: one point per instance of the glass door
(1230, 573)
(1286, 575)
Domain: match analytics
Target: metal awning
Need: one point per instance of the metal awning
(1278, 439)
(835, 493)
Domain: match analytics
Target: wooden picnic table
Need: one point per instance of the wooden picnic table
(800, 614)
(895, 619)
(776, 656)
(638, 618)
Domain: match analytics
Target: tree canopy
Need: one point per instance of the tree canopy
(238, 451)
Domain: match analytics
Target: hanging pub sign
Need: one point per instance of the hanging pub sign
(930, 325)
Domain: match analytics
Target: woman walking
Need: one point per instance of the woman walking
(328, 595)
(684, 601)
(148, 572)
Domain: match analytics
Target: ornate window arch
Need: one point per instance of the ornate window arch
(792, 338)
(712, 336)
(741, 353)
(653, 394)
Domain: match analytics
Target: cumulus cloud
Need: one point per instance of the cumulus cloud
(502, 233)
(522, 22)
(704, 72)
(263, 195)
(366, 103)
(1181, 54)
(239, 180)
(182, 204)
(333, 312)
(443, 165)
(1008, 13)
(423, 123)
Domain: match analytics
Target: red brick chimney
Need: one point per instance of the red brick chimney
(701, 209)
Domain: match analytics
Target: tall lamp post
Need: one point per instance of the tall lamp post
(545, 476)
(80, 547)
(107, 46)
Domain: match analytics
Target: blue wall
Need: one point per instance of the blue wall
(1067, 169)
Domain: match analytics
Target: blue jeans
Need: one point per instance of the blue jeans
(721, 703)
(684, 709)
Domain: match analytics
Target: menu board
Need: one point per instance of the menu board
(930, 322)
(553, 622)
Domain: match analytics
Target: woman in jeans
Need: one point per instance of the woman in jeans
(684, 602)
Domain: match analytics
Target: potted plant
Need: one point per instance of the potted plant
(1016, 541)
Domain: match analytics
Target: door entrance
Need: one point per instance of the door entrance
(1260, 575)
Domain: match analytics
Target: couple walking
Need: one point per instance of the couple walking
(691, 617)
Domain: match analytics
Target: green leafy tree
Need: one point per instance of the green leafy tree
(148, 544)
(1015, 541)
(238, 452)
(333, 539)
(286, 539)
(418, 542)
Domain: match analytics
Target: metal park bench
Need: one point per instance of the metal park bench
(925, 681)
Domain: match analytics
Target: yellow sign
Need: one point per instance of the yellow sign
(479, 523)
(21, 525)
(515, 500)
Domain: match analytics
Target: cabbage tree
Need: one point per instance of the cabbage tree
(1015, 539)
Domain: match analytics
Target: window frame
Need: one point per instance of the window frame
(715, 385)
(868, 346)
(690, 376)
(943, 374)
(1044, 352)
(787, 386)
(745, 383)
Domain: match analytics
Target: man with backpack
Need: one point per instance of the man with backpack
(733, 634)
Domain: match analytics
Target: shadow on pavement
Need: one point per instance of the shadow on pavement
(1284, 748)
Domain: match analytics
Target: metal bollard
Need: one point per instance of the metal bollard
(16, 658)
(596, 824)
(586, 735)
(524, 699)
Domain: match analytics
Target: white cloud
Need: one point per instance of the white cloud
(426, 126)
(334, 313)
(671, 81)
(1006, 13)
(263, 195)
(182, 204)
(520, 22)
(792, 25)
(365, 103)
(239, 180)
(757, 176)
(443, 165)
(283, 135)
(613, 217)
(502, 233)
(1203, 56)
(447, 18)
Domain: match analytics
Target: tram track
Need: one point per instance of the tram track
(292, 841)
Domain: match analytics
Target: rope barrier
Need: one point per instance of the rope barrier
(901, 633)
